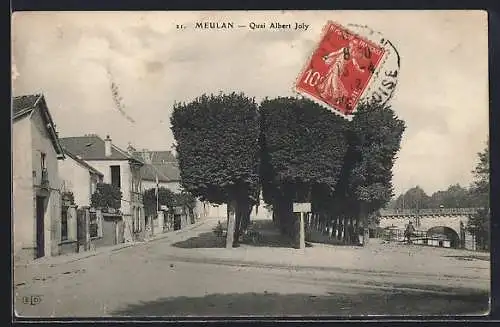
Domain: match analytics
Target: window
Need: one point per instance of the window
(44, 176)
(64, 223)
(115, 176)
(42, 161)
(93, 225)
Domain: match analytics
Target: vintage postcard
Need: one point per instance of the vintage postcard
(250, 164)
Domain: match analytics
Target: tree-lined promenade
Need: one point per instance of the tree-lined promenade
(231, 149)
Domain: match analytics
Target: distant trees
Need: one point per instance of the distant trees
(414, 198)
(218, 150)
(165, 197)
(169, 199)
(455, 196)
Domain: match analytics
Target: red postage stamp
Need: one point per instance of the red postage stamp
(340, 69)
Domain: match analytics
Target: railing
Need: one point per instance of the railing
(428, 212)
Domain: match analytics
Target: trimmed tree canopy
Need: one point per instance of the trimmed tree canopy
(217, 146)
(302, 145)
(374, 140)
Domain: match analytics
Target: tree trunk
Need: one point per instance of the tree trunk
(300, 232)
(277, 214)
(363, 218)
(347, 238)
(245, 222)
(230, 224)
(339, 228)
(237, 224)
(285, 214)
(357, 230)
(366, 231)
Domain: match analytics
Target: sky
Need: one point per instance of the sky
(70, 57)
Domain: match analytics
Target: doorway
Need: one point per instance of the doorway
(40, 230)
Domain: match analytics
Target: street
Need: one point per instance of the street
(188, 273)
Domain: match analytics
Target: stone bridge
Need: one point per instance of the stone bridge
(444, 221)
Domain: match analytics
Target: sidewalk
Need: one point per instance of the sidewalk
(177, 232)
(409, 261)
(375, 257)
(72, 257)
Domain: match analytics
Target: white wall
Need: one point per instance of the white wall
(216, 211)
(23, 214)
(76, 178)
(132, 207)
(104, 166)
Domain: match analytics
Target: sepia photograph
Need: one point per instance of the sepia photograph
(250, 164)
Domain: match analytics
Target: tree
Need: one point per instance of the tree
(184, 199)
(165, 197)
(414, 198)
(68, 197)
(302, 152)
(217, 147)
(479, 224)
(455, 196)
(374, 140)
(106, 196)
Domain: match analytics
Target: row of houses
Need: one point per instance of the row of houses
(46, 168)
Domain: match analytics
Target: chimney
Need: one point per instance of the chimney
(107, 146)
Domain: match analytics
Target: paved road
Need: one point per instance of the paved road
(187, 274)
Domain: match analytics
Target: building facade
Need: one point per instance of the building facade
(79, 178)
(36, 184)
(119, 169)
(159, 167)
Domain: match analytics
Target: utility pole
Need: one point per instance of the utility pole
(156, 191)
(417, 220)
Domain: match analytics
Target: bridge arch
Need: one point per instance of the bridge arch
(445, 233)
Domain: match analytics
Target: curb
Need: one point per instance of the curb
(96, 253)
(170, 233)
(118, 247)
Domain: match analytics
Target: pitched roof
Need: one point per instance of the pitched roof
(92, 147)
(26, 104)
(83, 163)
(158, 163)
(166, 172)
